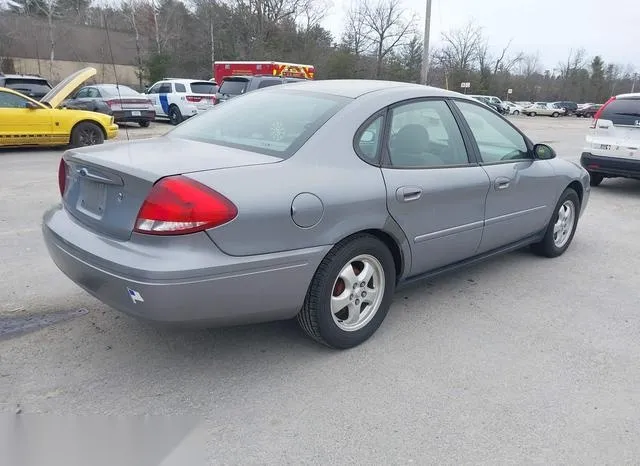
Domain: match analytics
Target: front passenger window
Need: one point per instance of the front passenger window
(497, 140)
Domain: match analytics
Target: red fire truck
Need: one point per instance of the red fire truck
(222, 69)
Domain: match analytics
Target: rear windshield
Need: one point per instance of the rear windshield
(114, 91)
(270, 82)
(203, 88)
(252, 122)
(622, 112)
(233, 86)
(36, 86)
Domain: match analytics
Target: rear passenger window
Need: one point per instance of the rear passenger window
(180, 87)
(622, 112)
(425, 134)
(368, 140)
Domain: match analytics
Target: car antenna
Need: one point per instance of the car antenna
(113, 63)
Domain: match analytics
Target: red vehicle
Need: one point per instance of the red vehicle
(223, 69)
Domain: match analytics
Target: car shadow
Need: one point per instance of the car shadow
(619, 186)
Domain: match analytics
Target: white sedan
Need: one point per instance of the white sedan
(514, 109)
(544, 109)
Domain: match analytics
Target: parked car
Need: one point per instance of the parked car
(613, 142)
(28, 122)
(442, 181)
(588, 112)
(178, 99)
(233, 86)
(35, 87)
(494, 102)
(569, 107)
(124, 103)
(514, 109)
(524, 104)
(545, 109)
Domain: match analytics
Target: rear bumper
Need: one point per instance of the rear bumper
(610, 166)
(128, 116)
(184, 279)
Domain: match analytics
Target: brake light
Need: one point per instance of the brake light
(596, 117)
(178, 205)
(193, 98)
(62, 176)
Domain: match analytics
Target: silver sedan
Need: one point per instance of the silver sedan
(313, 201)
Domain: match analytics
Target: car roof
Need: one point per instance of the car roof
(184, 81)
(354, 88)
(635, 95)
(25, 76)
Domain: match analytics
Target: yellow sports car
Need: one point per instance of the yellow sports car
(27, 122)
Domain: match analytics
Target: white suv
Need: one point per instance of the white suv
(613, 142)
(178, 99)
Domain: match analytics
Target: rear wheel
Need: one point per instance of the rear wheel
(350, 294)
(144, 123)
(516, 112)
(595, 178)
(532, 114)
(175, 116)
(86, 134)
(555, 115)
(562, 226)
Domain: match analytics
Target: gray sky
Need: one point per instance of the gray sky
(610, 28)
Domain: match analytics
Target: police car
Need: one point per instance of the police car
(177, 99)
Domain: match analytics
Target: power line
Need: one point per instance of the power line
(425, 46)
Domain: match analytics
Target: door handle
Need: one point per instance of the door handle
(408, 193)
(501, 183)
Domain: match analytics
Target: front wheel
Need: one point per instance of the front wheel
(562, 226)
(532, 114)
(350, 294)
(516, 112)
(555, 114)
(86, 134)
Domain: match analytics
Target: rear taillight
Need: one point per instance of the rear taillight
(596, 117)
(178, 205)
(193, 98)
(114, 104)
(62, 177)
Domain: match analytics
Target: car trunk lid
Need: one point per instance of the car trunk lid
(106, 185)
(615, 131)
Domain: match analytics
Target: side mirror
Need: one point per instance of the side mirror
(544, 152)
(31, 106)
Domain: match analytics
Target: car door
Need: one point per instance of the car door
(79, 100)
(163, 98)
(20, 125)
(522, 189)
(434, 192)
(154, 97)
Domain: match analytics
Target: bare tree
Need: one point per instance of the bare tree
(356, 31)
(389, 26)
(505, 63)
(529, 65)
(461, 49)
(132, 9)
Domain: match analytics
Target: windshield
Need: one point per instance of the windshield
(115, 91)
(233, 86)
(270, 122)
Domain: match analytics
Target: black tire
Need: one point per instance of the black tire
(86, 134)
(175, 117)
(144, 123)
(316, 317)
(516, 112)
(547, 246)
(595, 179)
(532, 114)
(555, 114)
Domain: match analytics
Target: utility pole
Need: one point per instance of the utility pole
(425, 46)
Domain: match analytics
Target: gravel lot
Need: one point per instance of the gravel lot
(520, 360)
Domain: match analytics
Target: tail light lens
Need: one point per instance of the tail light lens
(598, 114)
(62, 177)
(178, 205)
(193, 98)
(114, 104)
